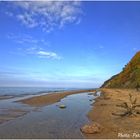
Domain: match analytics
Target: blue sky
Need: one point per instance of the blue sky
(66, 44)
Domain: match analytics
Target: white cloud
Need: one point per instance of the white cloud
(41, 53)
(47, 54)
(48, 14)
(27, 20)
(27, 40)
(31, 46)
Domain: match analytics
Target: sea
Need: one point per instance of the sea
(23, 91)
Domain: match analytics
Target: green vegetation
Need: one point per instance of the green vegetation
(129, 77)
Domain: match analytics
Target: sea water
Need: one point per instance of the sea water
(22, 91)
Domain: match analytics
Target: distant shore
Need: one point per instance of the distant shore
(115, 126)
(51, 97)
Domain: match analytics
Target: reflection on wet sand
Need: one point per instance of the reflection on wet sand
(10, 114)
(50, 121)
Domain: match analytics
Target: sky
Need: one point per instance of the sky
(66, 44)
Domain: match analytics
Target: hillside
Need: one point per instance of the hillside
(129, 77)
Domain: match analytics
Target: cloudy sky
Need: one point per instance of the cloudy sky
(66, 44)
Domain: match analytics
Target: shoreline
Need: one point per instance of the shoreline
(50, 98)
(114, 126)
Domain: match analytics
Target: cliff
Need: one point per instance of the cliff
(129, 77)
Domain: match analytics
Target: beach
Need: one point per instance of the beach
(115, 126)
(42, 116)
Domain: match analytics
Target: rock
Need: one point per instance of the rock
(62, 106)
(92, 128)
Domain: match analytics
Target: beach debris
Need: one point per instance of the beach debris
(92, 128)
(130, 107)
(62, 106)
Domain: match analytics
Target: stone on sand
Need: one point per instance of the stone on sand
(92, 128)
(62, 106)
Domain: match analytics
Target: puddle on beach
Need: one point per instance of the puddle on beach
(50, 121)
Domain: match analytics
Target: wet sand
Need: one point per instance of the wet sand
(5, 97)
(7, 114)
(50, 121)
(10, 114)
(115, 126)
(50, 98)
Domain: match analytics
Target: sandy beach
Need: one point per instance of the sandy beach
(50, 98)
(115, 126)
